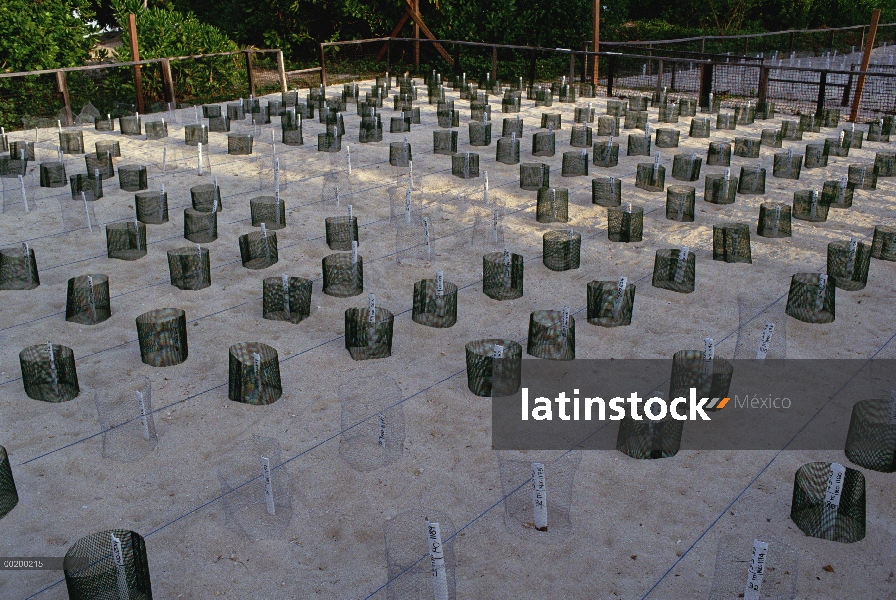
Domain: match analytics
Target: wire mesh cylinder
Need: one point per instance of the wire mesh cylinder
(605, 154)
(884, 164)
(718, 190)
(807, 206)
(580, 136)
(817, 518)
(575, 163)
(366, 339)
(552, 205)
(508, 150)
(561, 249)
(772, 138)
(126, 240)
(101, 162)
(871, 440)
(341, 277)
(502, 281)
(156, 130)
(432, 309)
(638, 145)
(686, 167)
(687, 107)
(669, 276)
(465, 165)
(112, 148)
(9, 497)
(744, 114)
(617, 108)
(400, 154)
(667, 138)
(876, 132)
(162, 334)
(448, 118)
(126, 416)
(699, 127)
(534, 176)
(718, 155)
(807, 302)
(883, 246)
(680, 203)
(151, 207)
(746, 147)
(862, 177)
(488, 375)
(236, 111)
(52, 175)
(548, 338)
(372, 422)
(239, 144)
(203, 197)
(195, 134)
(765, 110)
(258, 250)
(606, 191)
(846, 270)
(607, 126)
(71, 142)
(731, 243)
(19, 149)
(444, 142)
(189, 268)
(103, 124)
(638, 103)
(552, 121)
(130, 125)
(650, 179)
(87, 301)
(854, 138)
(836, 147)
(371, 130)
(18, 270)
(668, 113)
(132, 178)
(291, 302)
(252, 382)
(608, 306)
(710, 379)
(751, 180)
(341, 232)
(815, 156)
(480, 112)
(830, 117)
(517, 479)
(200, 227)
(774, 220)
(212, 110)
(635, 119)
(290, 134)
(649, 440)
(510, 126)
(399, 125)
(584, 114)
(726, 122)
(543, 143)
(810, 122)
(791, 130)
(49, 380)
(101, 576)
(269, 210)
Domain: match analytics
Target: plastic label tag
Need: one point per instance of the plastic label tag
(268, 485)
(437, 561)
(765, 341)
(539, 497)
(757, 570)
(144, 421)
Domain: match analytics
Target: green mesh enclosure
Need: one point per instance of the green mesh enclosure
(103, 577)
(746, 147)
(871, 440)
(751, 180)
(686, 167)
(52, 175)
(606, 191)
(341, 276)
(774, 220)
(617, 108)
(638, 145)
(431, 308)
(575, 164)
(258, 249)
(156, 130)
(552, 205)
(480, 133)
(151, 207)
(21, 150)
(877, 132)
(162, 334)
(807, 206)
(48, 375)
(711, 378)
(548, 338)
(71, 142)
(605, 154)
(647, 439)
(810, 123)
(687, 107)
(561, 250)
(884, 164)
(212, 110)
(638, 103)
(854, 138)
(286, 298)
(719, 190)
(772, 138)
(399, 125)
(9, 497)
(110, 147)
(445, 142)
(132, 178)
(489, 374)
(448, 118)
(511, 126)
(581, 136)
(508, 150)
(502, 275)
(830, 117)
(236, 111)
(680, 203)
(699, 127)
(239, 144)
(125, 415)
(666, 138)
(130, 125)
(584, 114)
(848, 267)
(196, 134)
(511, 102)
(92, 188)
(367, 338)
(610, 304)
(883, 246)
(862, 177)
(534, 176)
(843, 523)
(254, 374)
(341, 232)
(371, 130)
(200, 227)
(400, 154)
(650, 179)
(744, 114)
(718, 155)
(290, 130)
(787, 165)
(269, 210)
(553, 121)
(87, 301)
(406, 542)
(731, 243)
(18, 269)
(668, 113)
(726, 122)
(670, 273)
(372, 422)
(203, 197)
(465, 165)
(635, 119)
(607, 126)
(126, 240)
(815, 156)
(837, 147)
(190, 268)
(544, 143)
(625, 223)
(765, 110)
(811, 298)
(104, 124)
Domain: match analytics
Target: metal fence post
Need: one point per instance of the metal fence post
(822, 92)
(705, 83)
(611, 71)
(659, 75)
(762, 92)
(532, 67)
(494, 63)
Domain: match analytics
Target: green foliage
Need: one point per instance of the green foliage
(44, 34)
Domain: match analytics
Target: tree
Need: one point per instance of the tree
(44, 34)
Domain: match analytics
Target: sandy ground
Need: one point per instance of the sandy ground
(638, 526)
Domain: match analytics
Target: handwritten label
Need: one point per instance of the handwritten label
(120, 574)
(268, 485)
(821, 291)
(144, 418)
(765, 341)
(834, 489)
(371, 309)
(757, 570)
(564, 321)
(498, 351)
(507, 263)
(437, 561)
(709, 349)
(539, 497)
(851, 255)
(628, 207)
(682, 264)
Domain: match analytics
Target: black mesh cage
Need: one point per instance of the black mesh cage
(575, 163)
(807, 206)
(764, 110)
(52, 175)
(751, 180)
(508, 150)
(87, 301)
(610, 304)
(132, 178)
(877, 132)
(667, 138)
(190, 268)
(195, 134)
(718, 155)
(815, 517)
(719, 190)
(365, 338)
(71, 142)
(686, 167)
(625, 223)
(341, 276)
(731, 243)
(561, 250)
(258, 249)
(883, 246)
(203, 197)
(200, 227)
(884, 164)
(772, 138)
(341, 232)
(635, 119)
(465, 165)
(18, 269)
(86, 187)
(290, 130)
(9, 497)
(544, 143)
(726, 122)
(110, 147)
(668, 113)
(811, 298)
(862, 177)
(489, 374)
(502, 279)
(254, 374)
(746, 147)
(406, 541)
(710, 378)
(286, 298)
(650, 179)
(509, 126)
(699, 128)
(606, 191)
(448, 118)
(445, 142)
(399, 124)
(848, 265)
(162, 334)
(584, 114)
(552, 205)
(213, 110)
(617, 108)
(581, 136)
(811, 122)
(21, 150)
(649, 440)
(102, 162)
(638, 103)
(480, 111)
(103, 124)
(605, 154)
(236, 111)
(480, 133)
(774, 220)
(96, 570)
(744, 114)
(549, 338)
(126, 240)
(607, 126)
(372, 421)
(787, 165)
(534, 176)
(239, 143)
(432, 308)
(871, 440)
(49, 375)
(671, 273)
(151, 207)
(156, 130)
(371, 130)
(790, 130)
(269, 210)
(130, 125)
(680, 203)
(638, 145)
(400, 154)
(815, 156)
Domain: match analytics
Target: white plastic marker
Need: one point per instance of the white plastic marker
(277, 181)
(499, 351)
(354, 252)
(51, 358)
(765, 341)
(268, 484)
(851, 255)
(24, 196)
(813, 204)
(656, 167)
(757, 570)
(682, 264)
(646, 130)
(440, 284)
(507, 268)
(26, 254)
(381, 437)
(348, 158)
(485, 187)
(822, 291)
(842, 137)
(862, 182)
(553, 203)
(437, 561)
(832, 495)
(199, 256)
(619, 295)
(495, 224)
(120, 574)
(196, 113)
(164, 158)
(137, 232)
(59, 154)
(407, 205)
(777, 219)
(200, 157)
(709, 352)
(628, 207)
(87, 212)
(710, 102)
(789, 156)
(91, 300)
(891, 414)
(426, 238)
(144, 419)
(539, 497)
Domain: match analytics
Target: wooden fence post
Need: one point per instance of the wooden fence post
(323, 67)
(249, 73)
(168, 82)
(866, 59)
(281, 67)
(494, 63)
(135, 55)
(63, 89)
